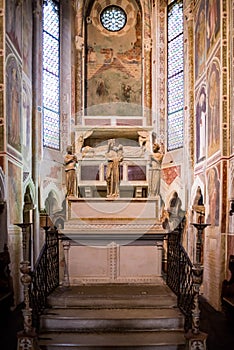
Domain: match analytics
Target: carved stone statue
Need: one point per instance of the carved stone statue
(144, 140)
(80, 139)
(114, 156)
(70, 161)
(155, 170)
(174, 213)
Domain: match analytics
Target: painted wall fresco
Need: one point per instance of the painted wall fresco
(213, 192)
(200, 40)
(113, 71)
(14, 23)
(13, 103)
(14, 193)
(207, 33)
(213, 109)
(213, 23)
(27, 37)
(201, 125)
(26, 122)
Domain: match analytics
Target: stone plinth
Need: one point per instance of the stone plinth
(114, 241)
(115, 263)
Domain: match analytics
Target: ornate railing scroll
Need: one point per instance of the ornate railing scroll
(179, 273)
(45, 277)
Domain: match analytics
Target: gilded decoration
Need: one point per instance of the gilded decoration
(2, 80)
(225, 87)
(224, 197)
(162, 61)
(78, 86)
(147, 59)
(79, 44)
(232, 74)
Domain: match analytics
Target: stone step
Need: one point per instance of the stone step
(111, 319)
(156, 296)
(163, 340)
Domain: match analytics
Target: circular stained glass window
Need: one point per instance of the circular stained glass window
(113, 18)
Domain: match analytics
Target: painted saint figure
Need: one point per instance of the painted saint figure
(155, 170)
(114, 156)
(70, 161)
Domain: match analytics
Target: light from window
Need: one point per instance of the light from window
(175, 79)
(51, 88)
(113, 18)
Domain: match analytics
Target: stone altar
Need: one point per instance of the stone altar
(113, 240)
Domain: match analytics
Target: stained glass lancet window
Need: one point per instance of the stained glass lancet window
(51, 98)
(175, 78)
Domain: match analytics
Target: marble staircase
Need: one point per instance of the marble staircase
(112, 316)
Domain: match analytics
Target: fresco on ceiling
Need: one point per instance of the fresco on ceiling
(13, 103)
(213, 110)
(212, 22)
(201, 125)
(113, 68)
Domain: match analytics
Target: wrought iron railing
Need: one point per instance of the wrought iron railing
(45, 277)
(179, 273)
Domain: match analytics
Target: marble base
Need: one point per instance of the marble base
(115, 264)
(128, 208)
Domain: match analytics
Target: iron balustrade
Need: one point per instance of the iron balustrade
(45, 277)
(179, 273)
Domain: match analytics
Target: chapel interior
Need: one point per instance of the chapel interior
(86, 74)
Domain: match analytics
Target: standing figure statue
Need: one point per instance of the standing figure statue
(114, 156)
(155, 170)
(70, 161)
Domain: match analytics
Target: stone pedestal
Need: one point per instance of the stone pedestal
(115, 263)
(114, 241)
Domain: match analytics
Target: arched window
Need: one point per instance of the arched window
(175, 77)
(51, 69)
